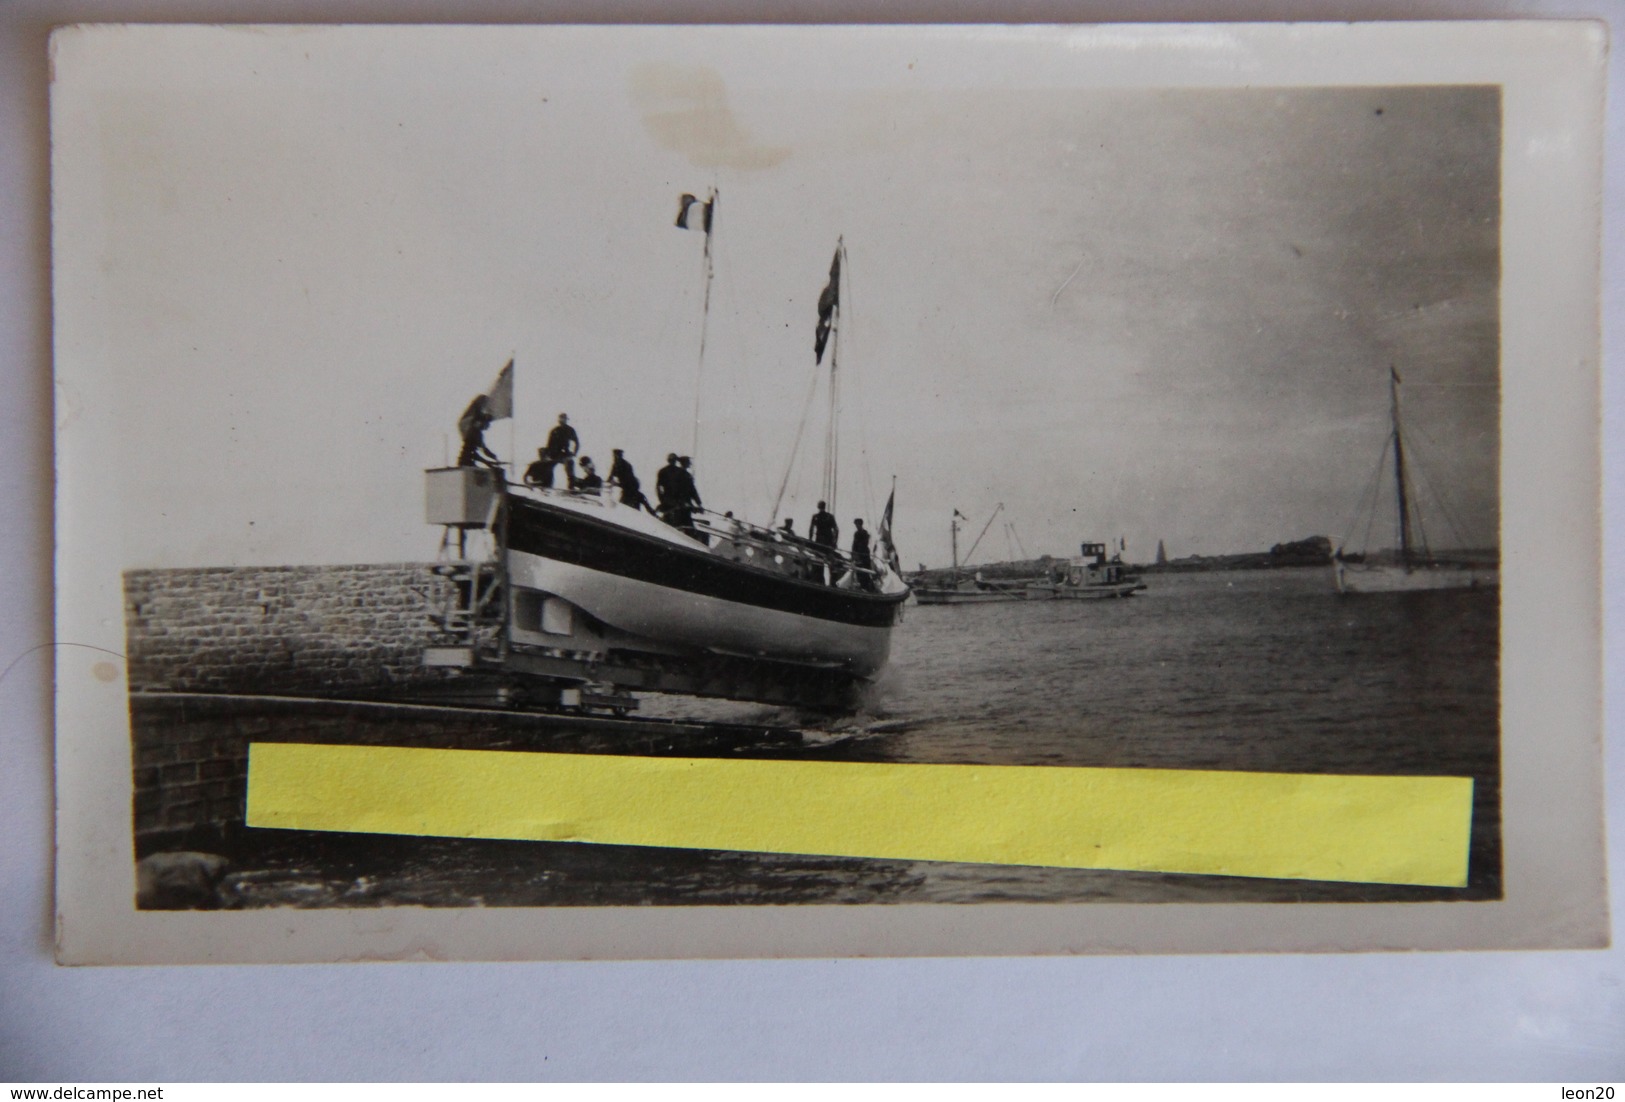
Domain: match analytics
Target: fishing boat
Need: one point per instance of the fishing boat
(972, 590)
(1089, 576)
(1412, 565)
(587, 595)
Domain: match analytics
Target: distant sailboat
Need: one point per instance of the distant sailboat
(1162, 554)
(1413, 566)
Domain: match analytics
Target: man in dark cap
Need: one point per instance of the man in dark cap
(540, 472)
(472, 425)
(688, 496)
(862, 557)
(621, 474)
(562, 445)
(588, 481)
(667, 487)
(823, 529)
(689, 490)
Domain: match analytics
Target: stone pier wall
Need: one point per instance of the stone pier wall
(281, 629)
(191, 752)
(292, 630)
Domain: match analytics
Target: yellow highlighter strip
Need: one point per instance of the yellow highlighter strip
(1367, 829)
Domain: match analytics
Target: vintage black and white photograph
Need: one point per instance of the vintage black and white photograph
(791, 397)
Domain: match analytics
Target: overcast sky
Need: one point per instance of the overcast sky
(1142, 312)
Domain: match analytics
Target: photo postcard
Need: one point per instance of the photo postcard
(571, 492)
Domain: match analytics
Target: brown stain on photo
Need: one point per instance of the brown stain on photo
(685, 109)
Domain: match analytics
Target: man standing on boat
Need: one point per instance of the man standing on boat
(687, 497)
(621, 474)
(472, 424)
(666, 483)
(823, 529)
(690, 492)
(562, 445)
(862, 560)
(826, 535)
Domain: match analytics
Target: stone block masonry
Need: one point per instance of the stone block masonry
(346, 631)
(191, 752)
(279, 629)
(222, 657)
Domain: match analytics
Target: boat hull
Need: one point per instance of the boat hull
(1027, 593)
(671, 594)
(933, 596)
(1393, 578)
(1083, 592)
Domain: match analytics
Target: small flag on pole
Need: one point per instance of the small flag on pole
(499, 400)
(890, 552)
(828, 302)
(685, 202)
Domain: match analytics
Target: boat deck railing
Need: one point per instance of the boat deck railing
(741, 541)
(777, 549)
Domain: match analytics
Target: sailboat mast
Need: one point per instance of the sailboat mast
(953, 536)
(832, 438)
(830, 311)
(829, 301)
(1400, 489)
(710, 211)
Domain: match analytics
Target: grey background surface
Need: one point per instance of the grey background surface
(1544, 1016)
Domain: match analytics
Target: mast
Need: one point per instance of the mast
(829, 314)
(825, 336)
(953, 536)
(708, 213)
(1399, 471)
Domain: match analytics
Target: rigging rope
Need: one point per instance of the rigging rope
(1362, 508)
(795, 447)
(705, 321)
(1424, 461)
(858, 396)
(997, 509)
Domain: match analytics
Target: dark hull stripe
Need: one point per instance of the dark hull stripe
(537, 528)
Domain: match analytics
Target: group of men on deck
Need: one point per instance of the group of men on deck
(677, 496)
(563, 449)
(825, 533)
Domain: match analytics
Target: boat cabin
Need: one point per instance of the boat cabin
(1093, 567)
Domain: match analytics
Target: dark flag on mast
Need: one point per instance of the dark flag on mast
(827, 304)
(885, 534)
(685, 203)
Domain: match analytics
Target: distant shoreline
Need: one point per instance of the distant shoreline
(1316, 551)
